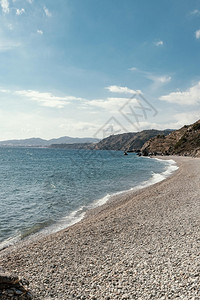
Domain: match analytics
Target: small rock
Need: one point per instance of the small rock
(8, 278)
(29, 296)
(24, 281)
(18, 292)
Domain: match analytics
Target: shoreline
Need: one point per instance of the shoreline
(138, 247)
(137, 189)
(95, 205)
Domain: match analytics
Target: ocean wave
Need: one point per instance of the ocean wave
(9, 242)
(158, 177)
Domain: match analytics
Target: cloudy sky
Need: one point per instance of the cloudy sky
(92, 68)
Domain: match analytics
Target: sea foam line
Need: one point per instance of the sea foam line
(78, 215)
(158, 177)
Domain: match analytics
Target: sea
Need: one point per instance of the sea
(44, 190)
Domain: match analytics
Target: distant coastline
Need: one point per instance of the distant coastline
(184, 141)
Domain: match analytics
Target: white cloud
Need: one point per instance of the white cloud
(110, 104)
(159, 43)
(5, 6)
(134, 69)
(30, 1)
(34, 125)
(157, 79)
(20, 11)
(45, 123)
(40, 31)
(79, 126)
(195, 12)
(122, 90)
(44, 126)
(189, 97)
(5, 91)
(50, 100)
(10, 26)
(47, 99)
(47, 12)
(187, 118)
(197, 34)
(179, 120)
(6, 45)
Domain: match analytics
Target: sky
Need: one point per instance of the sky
(90, 68)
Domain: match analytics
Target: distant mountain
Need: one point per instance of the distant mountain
(71, 140)
(131, 141)
(37, 142)
(185, 141)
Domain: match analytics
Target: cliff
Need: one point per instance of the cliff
(185, 141)
(131, 141)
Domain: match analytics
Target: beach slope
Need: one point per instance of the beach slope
(142, 245)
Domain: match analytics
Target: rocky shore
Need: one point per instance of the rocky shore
(142, 245)
(12, 287)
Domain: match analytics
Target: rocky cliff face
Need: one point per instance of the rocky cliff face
(131, 141)
(185, 141)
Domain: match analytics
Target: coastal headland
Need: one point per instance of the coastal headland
(140, 245)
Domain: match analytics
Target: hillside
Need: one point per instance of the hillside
(131, 141)
(185, 141)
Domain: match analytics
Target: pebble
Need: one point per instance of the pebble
(142, 246)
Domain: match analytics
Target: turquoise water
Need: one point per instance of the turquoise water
(49, 189)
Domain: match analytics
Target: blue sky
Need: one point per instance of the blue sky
(93, 68)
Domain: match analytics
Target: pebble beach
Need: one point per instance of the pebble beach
(139, 245)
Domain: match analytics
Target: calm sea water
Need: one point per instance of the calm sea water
(49, 189)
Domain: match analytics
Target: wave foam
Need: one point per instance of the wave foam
(157, 177)
(9, 242)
